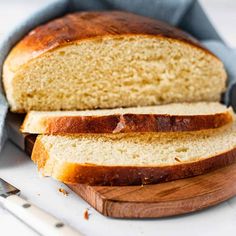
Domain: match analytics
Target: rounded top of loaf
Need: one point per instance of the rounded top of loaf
(89, 25)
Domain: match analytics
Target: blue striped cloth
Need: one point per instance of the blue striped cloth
(185, 14)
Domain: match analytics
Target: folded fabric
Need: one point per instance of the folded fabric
(186, 14)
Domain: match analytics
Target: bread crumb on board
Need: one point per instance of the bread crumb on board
(141, 186)
(63, 191)
(177, 159)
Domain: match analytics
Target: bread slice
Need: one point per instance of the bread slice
(91, 60)
(134, 159)
(164, 118)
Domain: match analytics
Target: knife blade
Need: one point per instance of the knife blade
(7, 189)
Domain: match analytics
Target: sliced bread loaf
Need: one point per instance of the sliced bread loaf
(124, 159)
(92, 60)
(164, 118)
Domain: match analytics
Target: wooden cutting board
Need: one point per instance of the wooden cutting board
(159, 200)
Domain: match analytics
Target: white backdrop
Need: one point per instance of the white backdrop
(223, 15)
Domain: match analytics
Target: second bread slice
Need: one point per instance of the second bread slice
(124, 159)
(164, 118)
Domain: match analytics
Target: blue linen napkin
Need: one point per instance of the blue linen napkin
(185, 14)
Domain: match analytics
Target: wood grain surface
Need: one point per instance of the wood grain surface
(159, 200)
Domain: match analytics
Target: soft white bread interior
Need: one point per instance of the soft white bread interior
(185, 109)
(63, 157)
(212, 114)
(134, 62)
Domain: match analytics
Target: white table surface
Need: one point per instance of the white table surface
(17, 168)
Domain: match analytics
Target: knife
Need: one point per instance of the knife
(37, 219)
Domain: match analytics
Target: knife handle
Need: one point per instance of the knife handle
(42, 222)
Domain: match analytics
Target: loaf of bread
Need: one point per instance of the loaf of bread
(92, 60)
(123, 159)
(163, 118)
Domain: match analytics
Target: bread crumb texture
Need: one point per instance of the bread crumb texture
(185, 109)
(117, 71)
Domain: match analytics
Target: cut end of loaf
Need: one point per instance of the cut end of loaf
(114, 72)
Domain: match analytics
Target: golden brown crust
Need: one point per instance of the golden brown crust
(130, 175)
(72, 173)
(88, 25)
(39, 153)
(130, 123)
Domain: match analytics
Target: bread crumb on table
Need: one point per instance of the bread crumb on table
(86, 214)
(61, 190)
